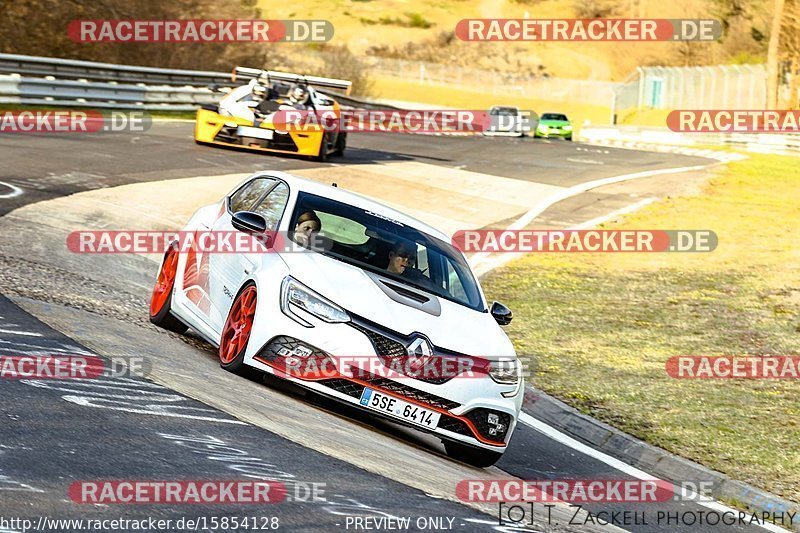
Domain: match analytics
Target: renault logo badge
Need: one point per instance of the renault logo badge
(420, 348)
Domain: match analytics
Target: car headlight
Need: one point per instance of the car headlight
(543, 128)
(505, 372)
(295, 293)
(568, 127)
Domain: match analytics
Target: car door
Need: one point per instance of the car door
(200, 285)
(267, 197)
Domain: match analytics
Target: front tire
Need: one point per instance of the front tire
(237, 329)
(161, 299)
(471, 455)
(341, 143)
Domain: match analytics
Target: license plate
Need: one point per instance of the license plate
(383, 403)
(258, 133)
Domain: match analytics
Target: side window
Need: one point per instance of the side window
(454, 285)
(422, 260)
(246, 197)
(271, 208)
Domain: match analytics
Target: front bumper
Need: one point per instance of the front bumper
(550, 133)
(464, 403)
(213, 128)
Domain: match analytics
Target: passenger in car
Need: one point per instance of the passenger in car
(307, 225)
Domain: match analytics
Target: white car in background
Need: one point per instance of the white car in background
(299, 304)
(508, 121)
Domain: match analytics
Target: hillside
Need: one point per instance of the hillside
(418, 30)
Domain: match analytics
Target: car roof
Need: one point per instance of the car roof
(350, 198)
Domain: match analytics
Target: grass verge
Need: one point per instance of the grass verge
(601, 327)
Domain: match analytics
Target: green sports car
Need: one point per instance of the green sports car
(554, 125)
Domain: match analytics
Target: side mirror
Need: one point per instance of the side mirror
(501, 313)
(249, 222)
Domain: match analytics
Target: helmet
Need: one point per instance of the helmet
(259, 91)
(298, 94)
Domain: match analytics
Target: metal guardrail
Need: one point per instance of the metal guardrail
(70, 69)
(33, 80)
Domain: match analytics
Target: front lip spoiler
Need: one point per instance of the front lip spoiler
(401, 422)
(463, 419)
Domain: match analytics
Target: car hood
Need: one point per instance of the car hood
(457, 328)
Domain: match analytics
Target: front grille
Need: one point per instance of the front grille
(384, 346)
(227, 134)
(344, 386)
(282, 141)
(405, 391)
(480, 418)
(388, 349)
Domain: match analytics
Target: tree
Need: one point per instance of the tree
(789, 51)
(772, 55)
(39, 27)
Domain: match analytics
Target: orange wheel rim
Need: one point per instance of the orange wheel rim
(164, 283)
(236, 331)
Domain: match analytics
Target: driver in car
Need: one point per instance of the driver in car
(299, 96)
(243, 101)
(401, 256)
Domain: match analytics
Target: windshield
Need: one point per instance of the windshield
(554, 116)
(377, 243)
(504, 111)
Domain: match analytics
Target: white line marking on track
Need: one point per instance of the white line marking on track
(15, 191)
(481, 257)
(569, 192)
(625, 468)
(585, 161)
(23, 333)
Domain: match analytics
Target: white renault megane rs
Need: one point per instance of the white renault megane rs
(353, 300)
